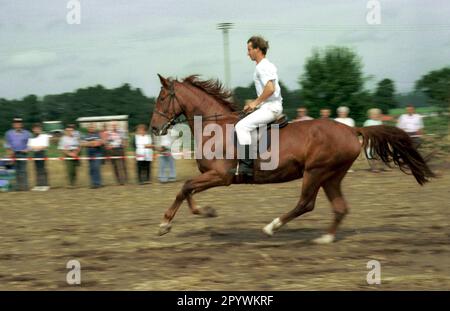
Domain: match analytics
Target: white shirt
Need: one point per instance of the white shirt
(410, 124)
(265, 71)
(347, 121)
(68, 143)
(142, 153)
(39, 141)
(116, 138)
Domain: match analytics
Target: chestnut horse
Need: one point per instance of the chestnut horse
(319, 151)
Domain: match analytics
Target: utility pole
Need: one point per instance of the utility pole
(226, 50)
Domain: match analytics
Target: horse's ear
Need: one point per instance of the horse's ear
(163, 80)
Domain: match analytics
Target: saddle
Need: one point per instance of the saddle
(281, 121)
(262, 144)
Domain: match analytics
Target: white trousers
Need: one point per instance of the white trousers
(267, 113)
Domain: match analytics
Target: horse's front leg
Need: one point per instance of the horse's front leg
(200, 183)
(166, 225)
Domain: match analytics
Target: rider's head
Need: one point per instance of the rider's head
(257, 48)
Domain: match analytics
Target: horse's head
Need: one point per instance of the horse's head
(167, 108)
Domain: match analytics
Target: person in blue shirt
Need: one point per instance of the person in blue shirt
(16, 144)
(93, 142)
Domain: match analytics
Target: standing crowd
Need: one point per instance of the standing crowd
(99, 146)
(22, 144)
(410, 122)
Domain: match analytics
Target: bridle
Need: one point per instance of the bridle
(171, 120)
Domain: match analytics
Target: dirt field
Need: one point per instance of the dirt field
(112, 232)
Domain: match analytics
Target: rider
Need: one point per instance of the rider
(269, 101)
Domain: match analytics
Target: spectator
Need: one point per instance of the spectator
(103, 133)
(69, 145)
(39, 144)
(94, 143)
(142, 144)
(343, 116)
(302, 115)
(412, 124)
(116, 144)
(16, 141)
(166, 159)
(76, 133)
(325, 113)
(374, 115)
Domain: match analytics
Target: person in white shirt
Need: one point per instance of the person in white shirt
(166, 159)
(343, 118)
(144, 154)
(374, 115)
(375, 165)
(116, 145)
(412, 124)
(70, 148)
(269, 101)
(38, 144)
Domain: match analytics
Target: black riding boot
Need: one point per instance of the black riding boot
(245, 165)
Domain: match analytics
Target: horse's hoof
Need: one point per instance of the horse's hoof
(325, 239)
(268, 230)
(164, 228)
(208, 211)
(272, 227)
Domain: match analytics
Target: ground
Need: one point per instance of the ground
(112, 232)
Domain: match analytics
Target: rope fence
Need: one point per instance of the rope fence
(175, 154)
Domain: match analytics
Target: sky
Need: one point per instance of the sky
(123, 41)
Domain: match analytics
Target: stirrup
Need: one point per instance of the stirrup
(236, 171)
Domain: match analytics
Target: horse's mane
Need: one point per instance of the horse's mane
(214, 88)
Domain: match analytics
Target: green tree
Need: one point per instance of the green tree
(333, 77)
(242, 93)
(436, 85)
(32, 111)
(384, 96)
(84, 102)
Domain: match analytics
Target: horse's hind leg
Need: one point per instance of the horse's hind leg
(311, 185)
(332, 188)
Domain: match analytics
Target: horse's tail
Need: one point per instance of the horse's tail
(391, 144)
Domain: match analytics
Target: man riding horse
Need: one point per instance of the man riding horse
(269, 101)
(318, 151)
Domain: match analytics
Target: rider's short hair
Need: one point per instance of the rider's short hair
(259, 43)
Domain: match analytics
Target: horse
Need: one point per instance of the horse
(319, 151)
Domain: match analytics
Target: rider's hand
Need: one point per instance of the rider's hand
(250, 106)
